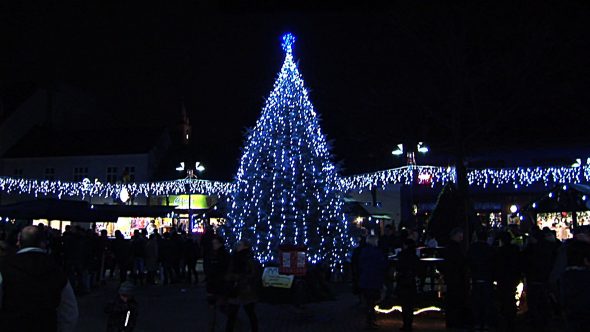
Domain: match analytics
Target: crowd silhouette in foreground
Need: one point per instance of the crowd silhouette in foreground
(480, 280)
(60, 266)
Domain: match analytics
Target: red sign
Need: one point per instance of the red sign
(424, 178)
(293, 260)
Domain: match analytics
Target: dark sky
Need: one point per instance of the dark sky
(480, 76)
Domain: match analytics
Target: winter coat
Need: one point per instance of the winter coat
(215, 266)
(372, 267)
(480, 259)
(117, 319)
(190, 250)
(122, 250)
(138, 246)
(575, 295)
(407, 270)
(454, 265)
(151, 255)
(32, 286)
(540, 258)
(508, 267)
(244, 278)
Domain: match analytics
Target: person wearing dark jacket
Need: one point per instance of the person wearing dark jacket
(480, 260)
(191, 252)
(123, 310)
(456, 281)
(372, 267)
(215, 266)
(354, 267)
(407, 268)
(540, 256)
(35, 294)
(123, 256)
(575, 286)
(138, 243)
(167, 252)
(244, 278)
(508, 274)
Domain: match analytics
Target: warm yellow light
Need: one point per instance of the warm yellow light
(518, 294)
(399, 308)
(427, 309)
(388, 311)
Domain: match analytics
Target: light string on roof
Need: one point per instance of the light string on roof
(484, 178)
(87, 188)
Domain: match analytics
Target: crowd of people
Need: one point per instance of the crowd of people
(75, 262)
(481, 276)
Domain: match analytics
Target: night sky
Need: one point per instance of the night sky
(489, 75)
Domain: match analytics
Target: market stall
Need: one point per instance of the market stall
(561, 209)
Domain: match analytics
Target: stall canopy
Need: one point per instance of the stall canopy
(570, 198)
(78, 211)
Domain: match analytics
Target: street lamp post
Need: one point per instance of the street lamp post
(190, 174)
(410, 151)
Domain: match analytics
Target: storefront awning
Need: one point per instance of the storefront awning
(55, 209)
(79, 211)
(135, 210)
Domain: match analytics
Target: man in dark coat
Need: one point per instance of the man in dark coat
(508, 275)
(191, 252)
(354, 266)
(407, 269)
(540, 257)
(35, 294)
(244, 279)
(215, 266)
(372, 267)
(575, 286)
(138, 243)
(455, 279)
(123, 255)
(480, 260)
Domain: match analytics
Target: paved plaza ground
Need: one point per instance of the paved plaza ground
(183, 308)
(180, 307)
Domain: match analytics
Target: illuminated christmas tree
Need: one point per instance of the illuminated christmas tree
(287, 190)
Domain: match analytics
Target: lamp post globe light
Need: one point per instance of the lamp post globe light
(399, 150)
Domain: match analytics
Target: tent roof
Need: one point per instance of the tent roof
(562, 198)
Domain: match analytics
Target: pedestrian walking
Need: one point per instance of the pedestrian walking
(244, 279)
(575, 288)
(480, 261)
(151, 258)
(138, 243)
(191, 253)
(372, 267)
(215, 266)
(407, 270)
(508, 275)
(455, 276)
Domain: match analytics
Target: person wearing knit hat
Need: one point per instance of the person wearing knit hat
(123, 310)
(127, 288)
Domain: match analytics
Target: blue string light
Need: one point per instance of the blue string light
(287, 189)
(288, 41)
